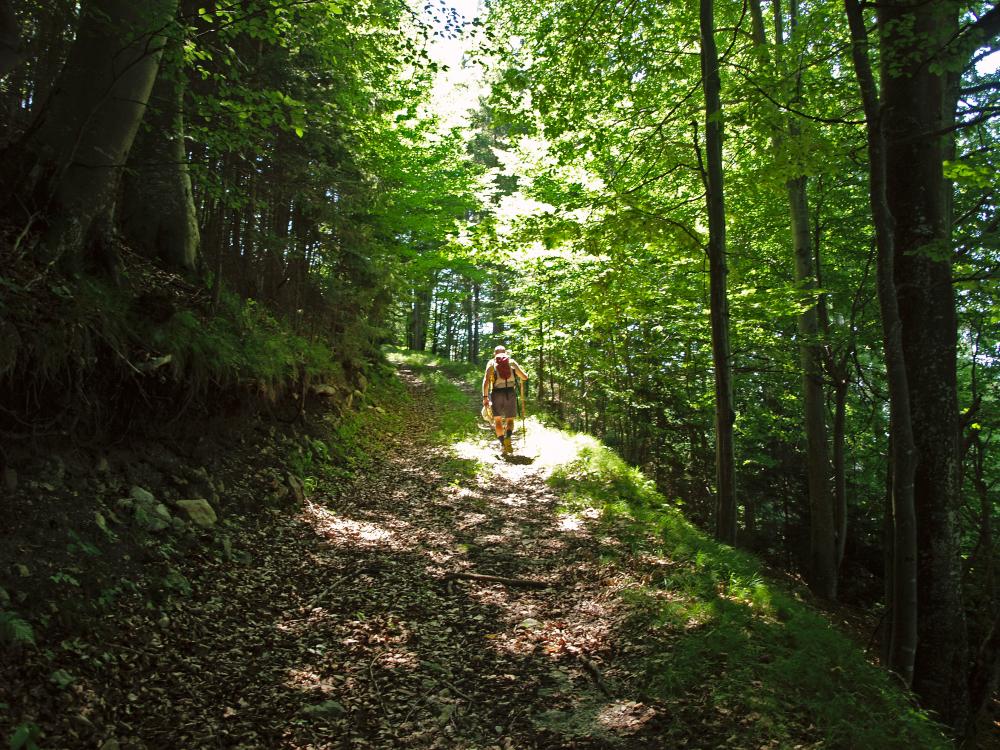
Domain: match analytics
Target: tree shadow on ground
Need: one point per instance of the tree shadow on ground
(341, 626)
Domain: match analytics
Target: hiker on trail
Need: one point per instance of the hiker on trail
(499, 384)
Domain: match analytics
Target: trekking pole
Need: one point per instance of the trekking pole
(524, 423)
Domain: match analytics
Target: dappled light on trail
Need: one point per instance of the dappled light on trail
(444, 597)
(538, 448)
(346, 531)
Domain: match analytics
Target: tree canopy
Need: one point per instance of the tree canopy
(754, 248)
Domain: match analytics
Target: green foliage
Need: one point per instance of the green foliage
(598, 476)
(62, 678)
(99, 335)
(15, 631)
(25, 737)
(355, 439)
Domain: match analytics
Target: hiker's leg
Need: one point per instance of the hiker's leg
(498, 426)
(510, 426)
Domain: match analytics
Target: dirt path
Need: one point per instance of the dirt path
(346, 626)
(347, 631)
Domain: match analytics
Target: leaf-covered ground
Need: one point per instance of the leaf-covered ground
(344, 626)
(357, 620)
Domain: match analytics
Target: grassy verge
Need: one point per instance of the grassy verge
(720, 639)
(713, 617)
(454, 419)
(352, 442)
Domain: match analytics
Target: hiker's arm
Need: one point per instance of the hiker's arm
(519, 372)
(486, 384)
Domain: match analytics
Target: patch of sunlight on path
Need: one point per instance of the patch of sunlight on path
(538, 449)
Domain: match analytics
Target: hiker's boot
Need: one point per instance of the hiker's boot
(501, 440)
(507, 447)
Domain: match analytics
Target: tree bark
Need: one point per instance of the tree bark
(10, 39)
(822, 548)
(823, 557)
(725, 414)
(157, 208)
(983, 685)
(903, 635)
(915, 90)
(476, 323)
(839, 465)
(63, 173)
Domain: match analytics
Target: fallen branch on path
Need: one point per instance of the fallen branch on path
(525, 583)
(594, 672)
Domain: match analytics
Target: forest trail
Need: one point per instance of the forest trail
(439, 596)
(345, 626)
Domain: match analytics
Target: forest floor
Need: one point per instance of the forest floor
(346, 613)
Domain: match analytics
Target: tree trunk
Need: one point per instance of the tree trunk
(470, 314)
(541, 359)
(822, 547)
(63, 173)
(983, 685)
(10, 39)
(914, 86)
(157, 209)
(903, 636)
(477, 323)
(823, 557)
(725, 415)
(840, 466)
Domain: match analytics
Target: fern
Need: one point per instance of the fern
(14, 630)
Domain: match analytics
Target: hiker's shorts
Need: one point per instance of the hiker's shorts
(504, 402)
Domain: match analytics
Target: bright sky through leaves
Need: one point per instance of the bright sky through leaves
(457, 89)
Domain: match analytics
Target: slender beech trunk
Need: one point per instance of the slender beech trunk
(157, 208)
(436, 328)
(838, 366)
(215, 230)
(903, 635)
(449, 331)
(823, 556)
(822, 547)
(915, 90)
(839, 464)
(541, 359)
(477, 324)
(822, 537)
(725, 414)
(63, 173)
(470, 314)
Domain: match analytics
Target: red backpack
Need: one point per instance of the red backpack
(502, 367)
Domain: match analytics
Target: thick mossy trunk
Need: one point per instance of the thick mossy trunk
(157, 208)
(903, 592)
(915, 92)
(62, 174)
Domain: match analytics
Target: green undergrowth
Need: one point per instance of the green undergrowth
(454, 419)
(352, 442)
(721, 640)
(717, 624)
(95, 337)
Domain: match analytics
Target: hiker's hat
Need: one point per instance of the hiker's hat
(500, 349)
